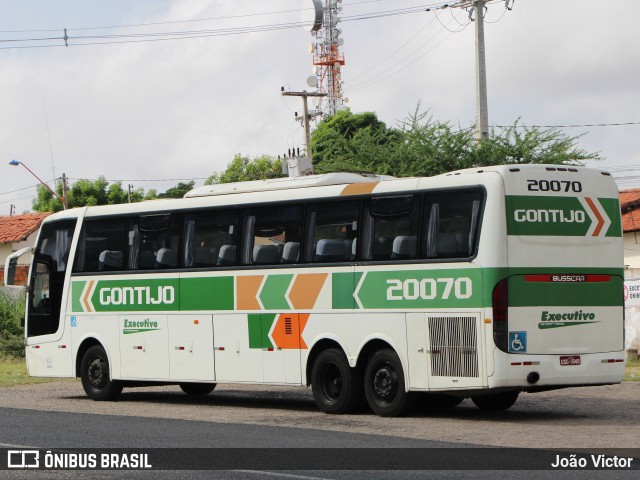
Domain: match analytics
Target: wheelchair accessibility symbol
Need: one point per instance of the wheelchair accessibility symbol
(518, 342)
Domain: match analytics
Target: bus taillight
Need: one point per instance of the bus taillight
(501, 315)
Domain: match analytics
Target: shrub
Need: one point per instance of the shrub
(11, 331)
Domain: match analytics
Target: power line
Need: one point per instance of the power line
(188, 34)
(19, 189)
(576, 125)
(142, 180)
(173, 22)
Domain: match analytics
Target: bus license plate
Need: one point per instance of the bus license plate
(570, 360)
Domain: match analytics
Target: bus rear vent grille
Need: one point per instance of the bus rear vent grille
(454, 351)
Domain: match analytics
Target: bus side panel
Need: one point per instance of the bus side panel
(104, 329)
(191, 347)
(51, 359)
(144, 345)
(238, 350)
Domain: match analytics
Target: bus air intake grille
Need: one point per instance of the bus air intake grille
(454, 351)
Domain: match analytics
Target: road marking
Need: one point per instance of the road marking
(10, 445)
(276, 474)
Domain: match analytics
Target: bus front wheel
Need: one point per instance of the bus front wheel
(337, 388)
(95, 375)
(384, 385)
(496, 402)
(197, 389)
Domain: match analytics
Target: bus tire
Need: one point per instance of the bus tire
(496, 402)
(197, 389)
(95, 375)
(337, 388)
(384, 385)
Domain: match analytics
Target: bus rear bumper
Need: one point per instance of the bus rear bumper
(535, 371)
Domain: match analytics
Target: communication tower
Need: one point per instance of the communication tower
(327, 57)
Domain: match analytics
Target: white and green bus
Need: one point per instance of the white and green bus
(480, 284)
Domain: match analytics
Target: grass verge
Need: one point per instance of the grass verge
(632, 372)
(13, 371)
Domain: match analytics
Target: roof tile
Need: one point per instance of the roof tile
(16, 228)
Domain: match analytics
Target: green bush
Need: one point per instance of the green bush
(11, 331)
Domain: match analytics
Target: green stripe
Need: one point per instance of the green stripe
(612, 207)
(343, 285)
(140, 295)
(273, 292)
(76, 296)
(207, 293)
(422, 289)
(259, 327)
(557, 216)
(560, 294)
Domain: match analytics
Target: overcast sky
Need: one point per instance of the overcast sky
(154, 113)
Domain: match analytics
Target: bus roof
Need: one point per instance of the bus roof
(285, 183)
(327, 186)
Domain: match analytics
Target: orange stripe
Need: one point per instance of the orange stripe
(292, 339)
(359, 188)
(85, 299)
(248, 292)
(596, 232)
(306, 289)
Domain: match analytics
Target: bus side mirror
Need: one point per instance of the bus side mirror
(10, 271)
(12, 263)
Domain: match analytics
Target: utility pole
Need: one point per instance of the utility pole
(306, 118)
(129, 192)
(65, 201)
(482, 114)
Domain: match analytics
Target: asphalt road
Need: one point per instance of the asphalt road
(58, 416)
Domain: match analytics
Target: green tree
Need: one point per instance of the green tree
(421, 146)
(100, 192)
(45, 201)
(242, 168)
(348, 141)
(88, 193)
(178, 191)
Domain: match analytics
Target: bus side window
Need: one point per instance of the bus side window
(101, 245)
(153, 242)
(332, 231)
(210, 238)
(451, 223)
(395, 228)
(269, 230)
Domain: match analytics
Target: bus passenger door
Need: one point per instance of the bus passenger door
(144, 342)
(191, 347)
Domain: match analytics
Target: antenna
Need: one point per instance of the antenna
(311, 15)
(46, 121)
(327, 57)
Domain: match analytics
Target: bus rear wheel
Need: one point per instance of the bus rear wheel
(197, 389)
(496, 402)
(384, 385)
(95, 375)
(337, 388)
